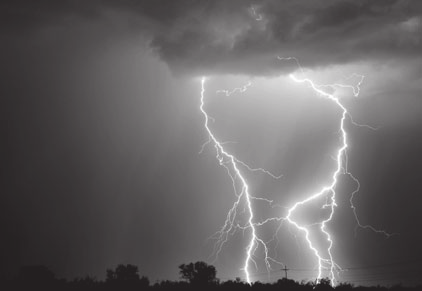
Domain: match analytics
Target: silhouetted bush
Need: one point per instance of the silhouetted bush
(323, 285)
(126, 277)
(199, 273)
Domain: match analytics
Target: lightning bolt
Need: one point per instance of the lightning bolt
(238, 89)
(329, 190)
(233, 167)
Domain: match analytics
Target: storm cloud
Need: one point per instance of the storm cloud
(244, 37)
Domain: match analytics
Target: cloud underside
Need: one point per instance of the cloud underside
(206, 37)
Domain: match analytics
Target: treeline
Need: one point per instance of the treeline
(195, 276)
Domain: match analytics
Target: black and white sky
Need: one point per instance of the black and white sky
(101, 130)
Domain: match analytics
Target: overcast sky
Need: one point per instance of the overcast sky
(102, 131)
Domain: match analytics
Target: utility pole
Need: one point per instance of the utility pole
(285, 271)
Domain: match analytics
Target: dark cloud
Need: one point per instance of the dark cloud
(203, 37)
(216, 38)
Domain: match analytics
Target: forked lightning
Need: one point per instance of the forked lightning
(234, 169)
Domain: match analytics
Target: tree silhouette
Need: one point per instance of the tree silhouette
(324, 284)
(123, 273)
(287, 284)
(126, 277)
(198, 273)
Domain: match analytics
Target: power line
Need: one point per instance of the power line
(384, 265)
(344, 269)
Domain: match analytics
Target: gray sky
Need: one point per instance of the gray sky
(102, 129)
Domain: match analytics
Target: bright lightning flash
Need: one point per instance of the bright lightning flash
(323, 263)
(232, 164)
(234, 169)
